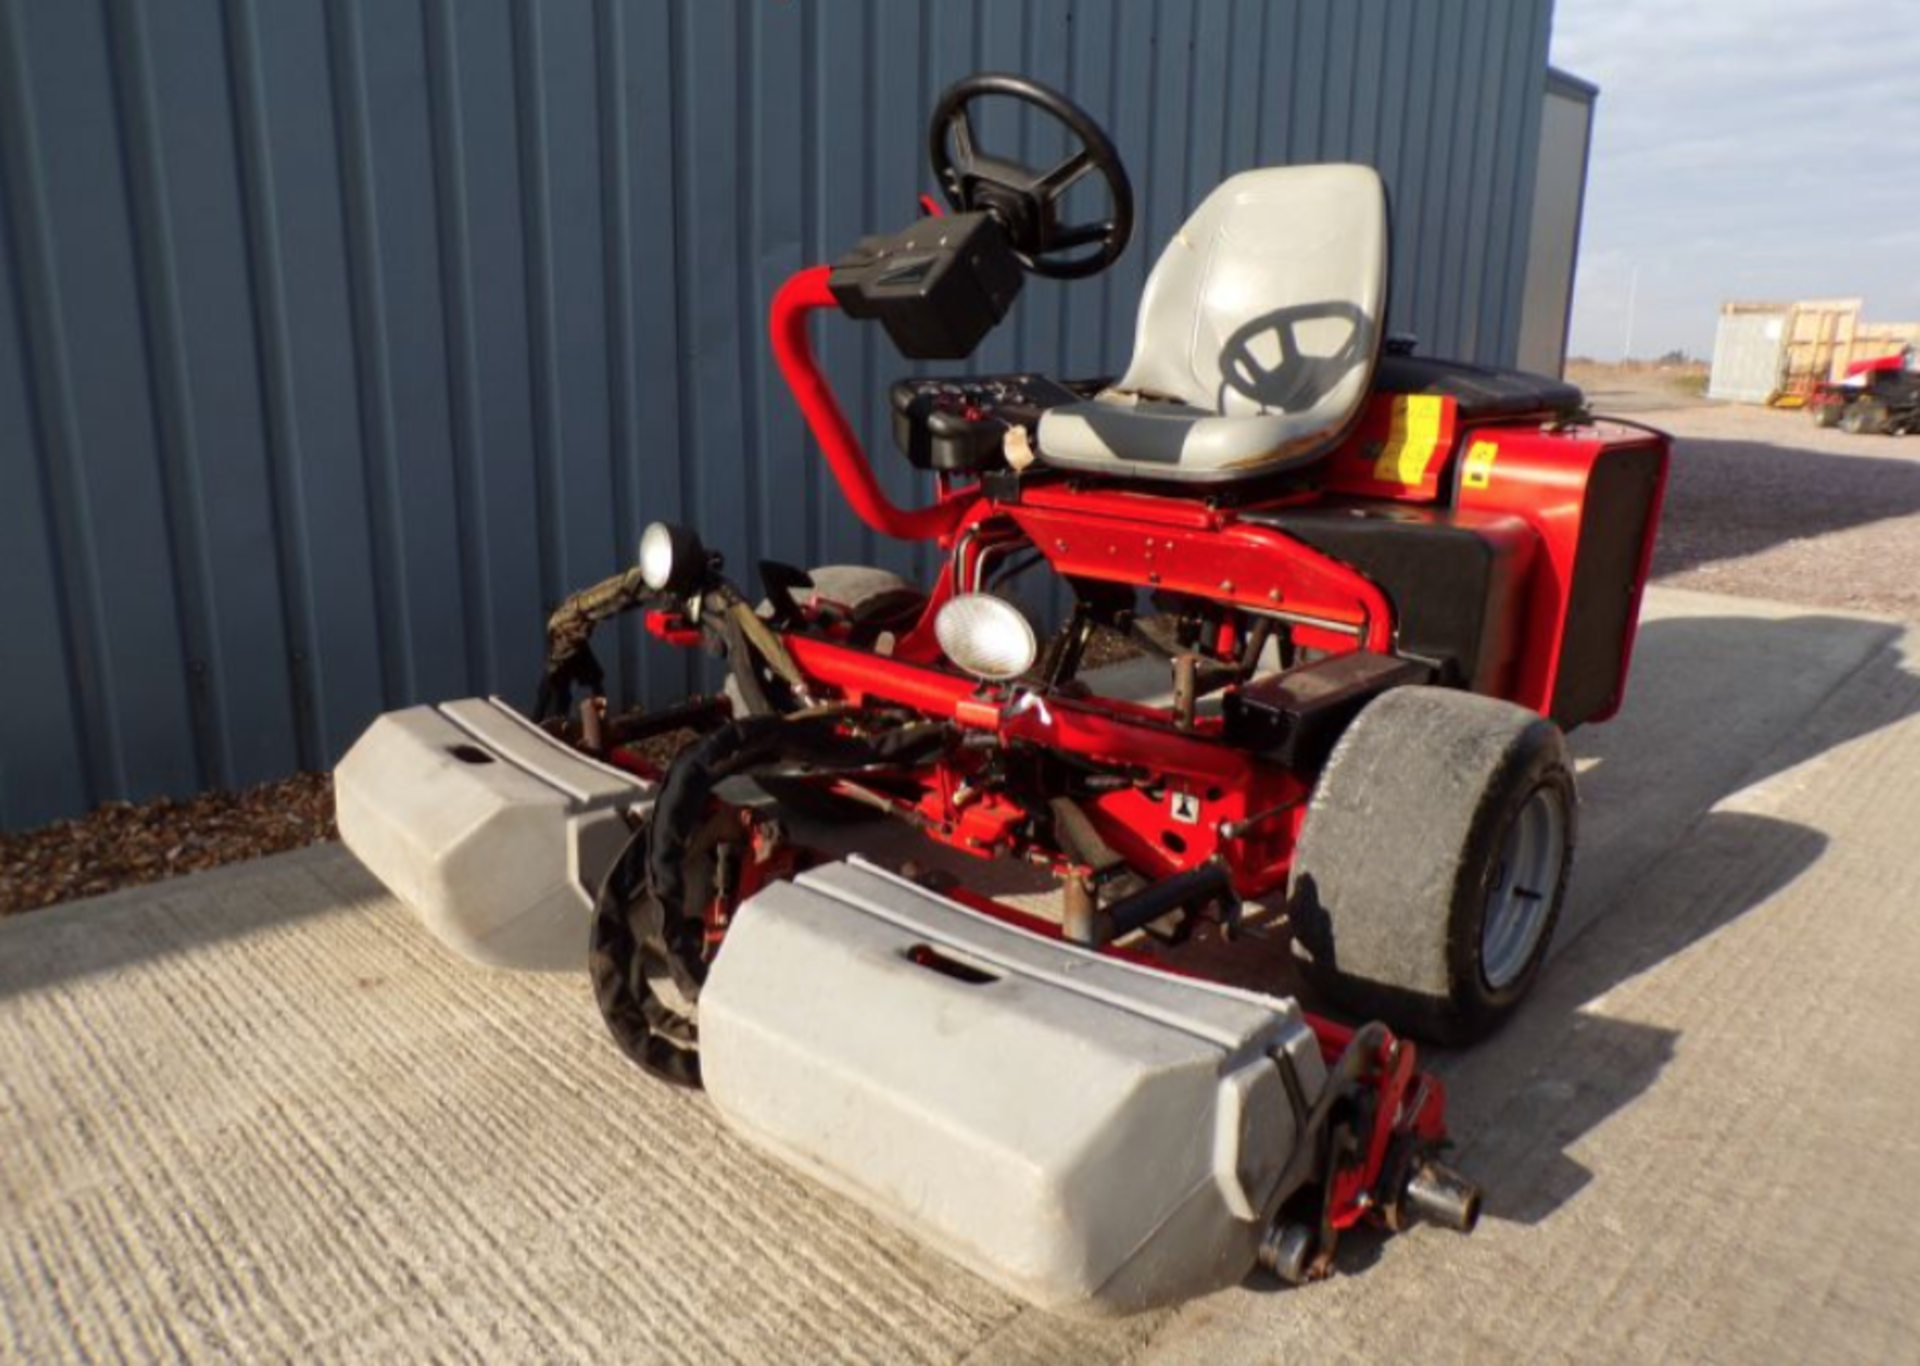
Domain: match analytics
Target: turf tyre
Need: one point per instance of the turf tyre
(1864, 417)
(1396, 896)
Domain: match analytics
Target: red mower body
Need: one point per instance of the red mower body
(1508, 554)
(1322, 647)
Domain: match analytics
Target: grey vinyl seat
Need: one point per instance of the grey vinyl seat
(1257, 338)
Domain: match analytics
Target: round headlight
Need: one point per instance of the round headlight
(987, 636)
(671, 557)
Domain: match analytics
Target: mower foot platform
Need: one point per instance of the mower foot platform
(495, 833)
(1094, 1136)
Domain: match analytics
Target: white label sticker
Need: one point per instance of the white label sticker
(1185, 808)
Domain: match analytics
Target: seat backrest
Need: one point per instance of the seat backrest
(1270, 299)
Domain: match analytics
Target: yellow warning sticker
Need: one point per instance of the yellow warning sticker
(1479, 470)
(1411, 441)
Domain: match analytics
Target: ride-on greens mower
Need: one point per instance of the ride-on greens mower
(1331, 607)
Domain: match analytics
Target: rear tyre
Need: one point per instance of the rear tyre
(1433, 862)
(1825, 414)
(1864, 417)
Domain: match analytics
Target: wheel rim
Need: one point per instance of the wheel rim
(1526, 883)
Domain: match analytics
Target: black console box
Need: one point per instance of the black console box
(960, 426)
(1294, 718)
(938, 287)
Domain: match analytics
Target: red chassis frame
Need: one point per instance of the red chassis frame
(1518, 482)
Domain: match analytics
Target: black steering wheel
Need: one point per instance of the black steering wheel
(1026, 201)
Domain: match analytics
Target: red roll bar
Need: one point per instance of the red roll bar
(800, 296)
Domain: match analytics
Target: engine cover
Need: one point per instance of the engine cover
(1093, 1136)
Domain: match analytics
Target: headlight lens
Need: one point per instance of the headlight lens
(671, 557)
(987, 636)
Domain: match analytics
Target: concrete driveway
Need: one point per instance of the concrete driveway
(257, 1114)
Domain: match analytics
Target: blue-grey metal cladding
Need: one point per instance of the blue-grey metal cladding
(340, 338)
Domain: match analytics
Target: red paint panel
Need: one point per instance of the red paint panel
(1543, 476)
(1248, 566)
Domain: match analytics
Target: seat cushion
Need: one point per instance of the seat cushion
(1257, 336)
(1164, 439)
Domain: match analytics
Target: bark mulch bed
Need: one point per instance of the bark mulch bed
(124, 845)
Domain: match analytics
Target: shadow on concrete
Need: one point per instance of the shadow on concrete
(1715, 705)
(1721, 703)
(1523, 1100)
(1519, 1104)
(1730, 499)
(1726, 703)
(41, 950)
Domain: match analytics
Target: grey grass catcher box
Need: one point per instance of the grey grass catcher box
(1095, 1137)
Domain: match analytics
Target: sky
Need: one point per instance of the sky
(1743, 149)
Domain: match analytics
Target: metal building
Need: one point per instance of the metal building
(339, 338)
(1553, 240)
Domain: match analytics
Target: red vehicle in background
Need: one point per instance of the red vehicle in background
(1877, 396)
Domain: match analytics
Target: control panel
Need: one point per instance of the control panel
(960, 426)
(938, 286)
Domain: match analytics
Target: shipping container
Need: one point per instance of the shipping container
(1748, 352)
(1777, 352)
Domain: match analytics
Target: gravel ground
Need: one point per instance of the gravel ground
(1761, 504)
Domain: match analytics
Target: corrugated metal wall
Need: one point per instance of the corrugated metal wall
(338, 340)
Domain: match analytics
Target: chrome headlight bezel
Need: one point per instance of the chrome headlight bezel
(987, 636)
